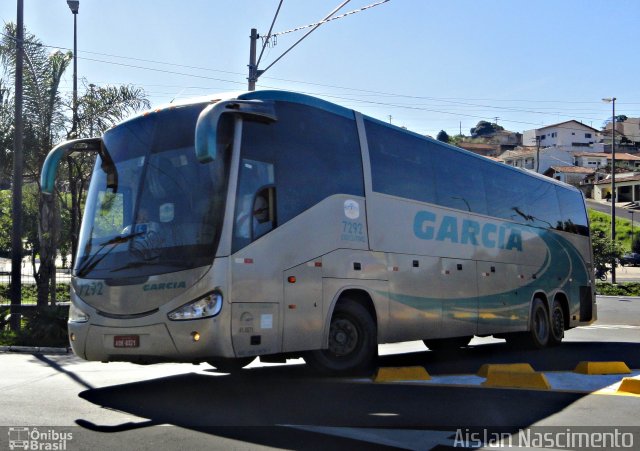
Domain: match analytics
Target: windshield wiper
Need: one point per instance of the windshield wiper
(93, 259)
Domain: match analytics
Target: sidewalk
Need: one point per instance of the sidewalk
(626, 274)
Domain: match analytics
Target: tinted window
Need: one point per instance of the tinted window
(574, 216)
(460, 180)
(401, 164)
(521, 198)
(315, 154)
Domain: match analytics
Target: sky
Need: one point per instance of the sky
(422, 64)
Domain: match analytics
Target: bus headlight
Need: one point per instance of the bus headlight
(76, 315)
(206, 306)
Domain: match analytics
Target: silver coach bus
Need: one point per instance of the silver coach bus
(276, 224)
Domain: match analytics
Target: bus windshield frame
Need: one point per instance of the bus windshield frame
(165, 213)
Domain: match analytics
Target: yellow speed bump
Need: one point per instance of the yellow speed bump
(509, 367)
(602, 368)
(402, 373)
(514, 379)
(630, 385)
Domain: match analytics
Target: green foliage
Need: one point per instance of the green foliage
(5, 223)
(29, 293)
(601, 224)
(483, 128)
(604, 251)
(443, 136)
(621, 289)
(45, 326)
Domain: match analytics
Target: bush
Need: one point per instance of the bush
(30, 293)
(45, 326)
(621, 289)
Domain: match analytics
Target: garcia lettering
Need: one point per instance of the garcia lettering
(466, 231)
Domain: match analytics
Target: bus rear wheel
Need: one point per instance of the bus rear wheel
(352, 343)
(447, 344)
(557, 324)
(539, 334)
(227, 365)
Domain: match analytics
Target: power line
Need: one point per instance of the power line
(341, 16)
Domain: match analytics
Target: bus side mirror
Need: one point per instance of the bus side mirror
(209, 139)
(51, 163)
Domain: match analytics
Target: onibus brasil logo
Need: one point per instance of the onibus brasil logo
(29, 438)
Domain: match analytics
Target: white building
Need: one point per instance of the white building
(565, 134)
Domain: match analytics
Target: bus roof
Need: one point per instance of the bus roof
(304, 99)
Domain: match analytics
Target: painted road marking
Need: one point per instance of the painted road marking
(609, 326)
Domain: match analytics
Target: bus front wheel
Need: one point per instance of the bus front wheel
(352, 343)
(227, 365)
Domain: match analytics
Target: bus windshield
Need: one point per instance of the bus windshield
(151, 207)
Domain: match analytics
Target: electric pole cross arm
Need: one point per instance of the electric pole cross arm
(50, 167)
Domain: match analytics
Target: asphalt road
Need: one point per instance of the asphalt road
(177, 406)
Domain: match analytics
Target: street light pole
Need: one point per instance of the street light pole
(612, 100)
(74, 5)
(631, 212)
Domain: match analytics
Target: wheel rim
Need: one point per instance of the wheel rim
(343, 337)
(541, 326)
(558, 322)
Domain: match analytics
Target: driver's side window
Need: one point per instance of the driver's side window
(255, 202)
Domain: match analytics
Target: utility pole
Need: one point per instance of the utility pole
(18, 158)
(253, 69)
(612, 100)
(537, 154)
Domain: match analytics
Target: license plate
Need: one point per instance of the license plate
(126, 341)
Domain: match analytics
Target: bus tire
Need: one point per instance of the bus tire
(230, 365)
(557, 324)
(540, 327)
(353, 345)
(447, 344)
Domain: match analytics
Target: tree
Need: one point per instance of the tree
(604, 251)
(484, 128)
(47, 120)
(443, 136)
(44, 120)
(6, 133)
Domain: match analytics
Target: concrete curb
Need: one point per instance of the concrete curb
(635, 298)
(34, 350)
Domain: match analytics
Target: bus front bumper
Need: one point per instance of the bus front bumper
(175, 341)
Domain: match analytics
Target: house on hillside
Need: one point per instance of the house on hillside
(565, 134)
(628, 131)
(627, 188)
(573, 175)
(552, 145)
(537, 159)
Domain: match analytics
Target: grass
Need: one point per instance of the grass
(601, 222)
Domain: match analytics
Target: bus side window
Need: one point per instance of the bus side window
(264, 211)
(255, 202)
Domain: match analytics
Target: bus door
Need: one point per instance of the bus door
(303, 318)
